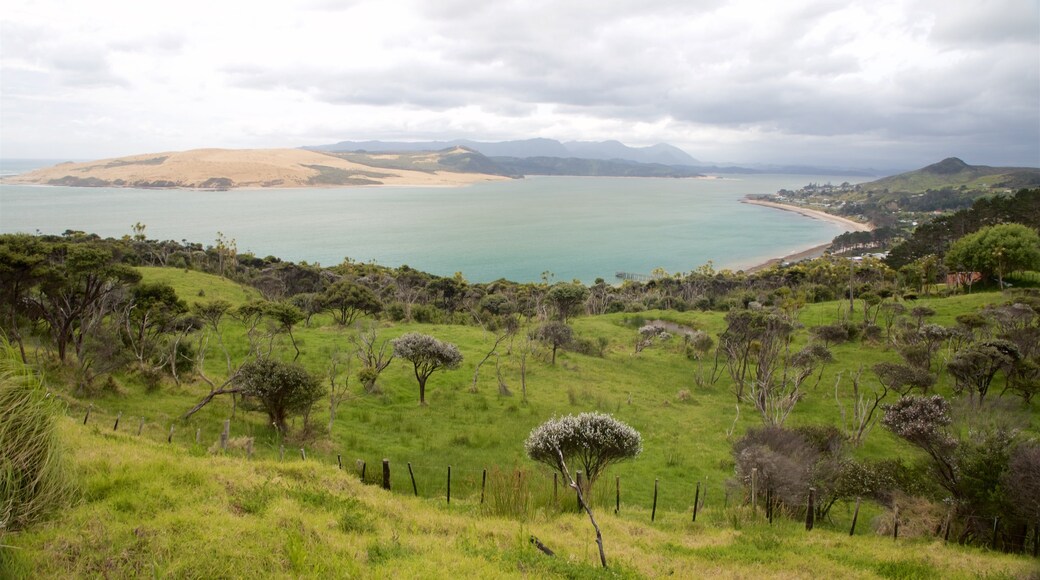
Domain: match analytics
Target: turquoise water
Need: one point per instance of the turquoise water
(575, 227)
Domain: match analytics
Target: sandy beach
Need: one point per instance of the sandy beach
(853, 226)
(815, 251)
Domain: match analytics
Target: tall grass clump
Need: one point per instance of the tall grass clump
(35, 478)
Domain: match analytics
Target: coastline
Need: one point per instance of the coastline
(813, 252)
(853, 225)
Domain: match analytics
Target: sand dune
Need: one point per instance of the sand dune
(238, 168)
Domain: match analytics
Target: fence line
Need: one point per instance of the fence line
(1020, 543)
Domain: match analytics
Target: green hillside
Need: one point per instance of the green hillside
(954, 173)
(186, 508)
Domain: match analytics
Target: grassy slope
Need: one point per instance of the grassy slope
(684, 442)
(151, 509)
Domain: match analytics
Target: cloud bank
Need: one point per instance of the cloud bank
(890, 84)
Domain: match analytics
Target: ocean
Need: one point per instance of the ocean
(568, 228)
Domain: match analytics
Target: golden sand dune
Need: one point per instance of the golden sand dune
(238, 168)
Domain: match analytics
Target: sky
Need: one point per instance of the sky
(849, 83)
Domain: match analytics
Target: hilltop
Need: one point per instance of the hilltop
(955, 173)
(237, 168)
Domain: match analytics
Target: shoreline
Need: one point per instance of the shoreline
(854, 226)
(813, 252)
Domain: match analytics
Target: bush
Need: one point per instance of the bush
(589, 347)
(281, 388)
(35, 478)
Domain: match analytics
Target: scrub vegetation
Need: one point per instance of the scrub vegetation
(890, 399)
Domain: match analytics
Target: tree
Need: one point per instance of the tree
(997, 250)
(567, 300)
(975, 366)
(23, 262)
(427, 355)
(282, 389)
(924, 423)
(592, 440)
(374, 359)
(555, 334)
(78, 292)
(285, 317)
(151, 312)
(347, 300)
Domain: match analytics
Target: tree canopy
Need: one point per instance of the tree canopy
(996, 251)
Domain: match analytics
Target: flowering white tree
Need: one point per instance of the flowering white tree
(593, 441)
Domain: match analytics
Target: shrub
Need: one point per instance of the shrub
(280, 388)
(35, 479)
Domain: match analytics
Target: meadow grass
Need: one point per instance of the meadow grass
(285, 511)
(152, 509)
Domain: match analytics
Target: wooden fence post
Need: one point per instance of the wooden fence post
(303, 454)
(577, 492)
(696, 500)
(249, 448)
(810, 512)
(198, 434)
(855, 516)
(754, 490)
(169, 438)
(653, 512)
(895, 522)
(449, 485)
(281, 453)
(339, 461)
(415, 488)
(118, 417)
(386, 473)
(140, 427)
(87, 416)
(617, 494)
(483, 484)
(993, 541)
(225, 435)
(769, 504)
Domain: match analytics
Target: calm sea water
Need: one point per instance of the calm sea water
(574, 227)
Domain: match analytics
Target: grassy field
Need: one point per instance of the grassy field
(187, 509)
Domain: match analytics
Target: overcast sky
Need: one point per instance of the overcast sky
(858, 83)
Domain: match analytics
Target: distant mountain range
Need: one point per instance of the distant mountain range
(661, 153)
(604, 158)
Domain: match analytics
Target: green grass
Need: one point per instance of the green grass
(156, 510)
(286, 512)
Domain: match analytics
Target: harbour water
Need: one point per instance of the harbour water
(574, 227)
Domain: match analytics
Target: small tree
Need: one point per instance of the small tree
(567, 299)
(282, 389)
(348, 300)
(593, 441)
(975, 367)
(374, 357)
(555, 334)
(427, 355)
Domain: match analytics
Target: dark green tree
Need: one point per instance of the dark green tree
(997, 251)
(567, 300)
(347, 300)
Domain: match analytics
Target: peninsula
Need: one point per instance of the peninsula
(221, 169)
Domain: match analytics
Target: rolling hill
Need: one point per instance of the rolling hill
(235, 168)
